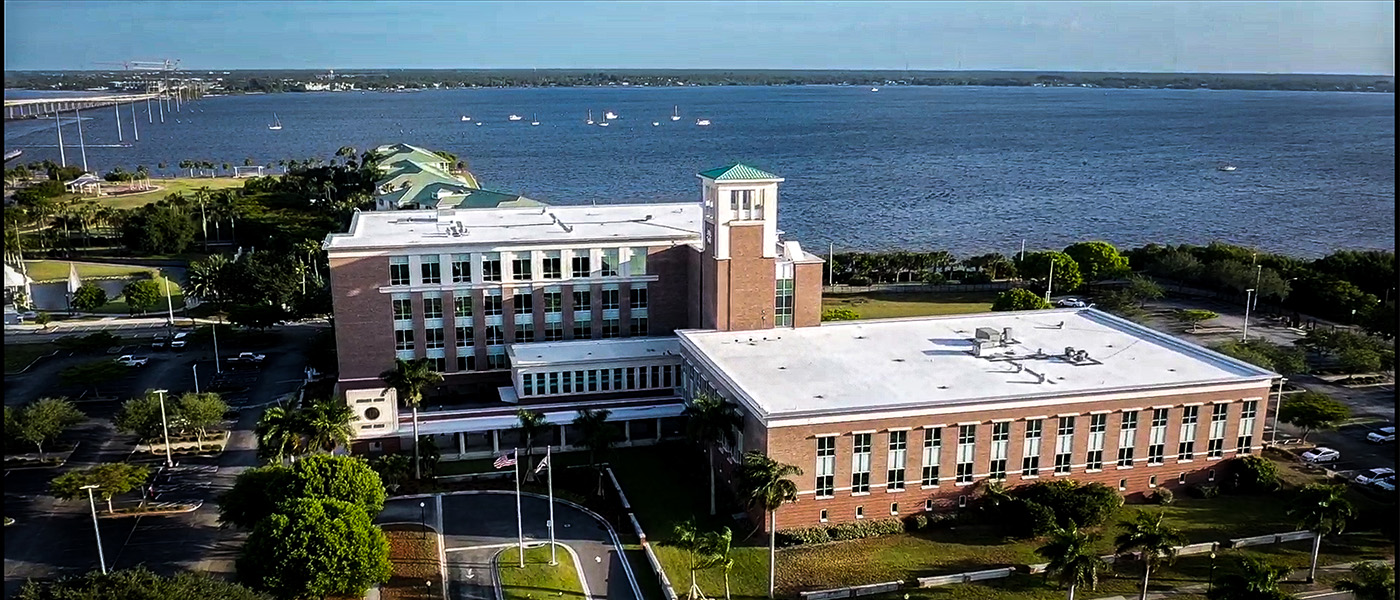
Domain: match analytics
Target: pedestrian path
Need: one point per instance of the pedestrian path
(1200, 588)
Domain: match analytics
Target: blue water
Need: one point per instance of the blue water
(968, 169)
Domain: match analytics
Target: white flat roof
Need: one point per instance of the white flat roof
(866, 366)
(621, 223)
(537, 354)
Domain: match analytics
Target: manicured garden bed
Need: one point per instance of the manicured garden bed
(413, 551)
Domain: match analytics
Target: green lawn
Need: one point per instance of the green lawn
(118, 306)
(538, 580)
(183, 185)
(878, 305)
(57, 270)
(18, 356)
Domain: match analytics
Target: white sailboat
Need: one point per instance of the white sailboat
(875, 89)
(604, 122)
(478, 123)
(466, 118)
(675, 113)
(702, 122)
(276, 123)
(515, 117)
(656, 123)
(589, 121)
(534, 119)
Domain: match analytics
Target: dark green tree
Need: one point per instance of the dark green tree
(1324, 510)
(1312, 410)
(89, 297)
(410, 378)
(1097, 260)
(43, 420)
(111, 479)
(137, 583)
(1254, 579)
(1019, 299)
(158, 229)
(1371, 580)
(314, 548)
(766, 484)
(1072, 559)
(1065, 278)
(1149, 535)
(142, 295)
(710, 420)
(255, 494)
(200, 412)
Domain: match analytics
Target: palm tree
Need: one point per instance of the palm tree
(1072, 559)
(409, 378)
(327, 424)
(1256, 580)
(1149, 534)
(531, 425)
(1369, 581)
(202, 197)
(710, 419)
(688, 538)
(204, 278)
(598, 434)
(764, 483)
(715, 546)
(280, 434)
(1324, 510)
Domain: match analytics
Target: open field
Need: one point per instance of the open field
(57, 270)
(183, 185)
(538, 579)
(415, 560)
(18, 356)
(883, 305)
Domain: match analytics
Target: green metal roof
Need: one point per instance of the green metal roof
(737, 172)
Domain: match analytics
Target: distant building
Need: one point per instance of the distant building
(415, 178)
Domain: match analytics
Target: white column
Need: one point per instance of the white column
(562, 441)
(495, 442)
(627, 432)
(462, 443)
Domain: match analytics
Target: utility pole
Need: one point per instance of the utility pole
(165, 427)
(149, 118)
(830, 265)
(1259, 273)
(1247, 297)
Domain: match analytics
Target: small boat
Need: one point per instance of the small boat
(702, 122)
(675, 113)
(874, 89)
(589, 120)
(466, 118)
(656, 123)
(603, 123)
(610, 115)
(534, 120)
(1227, 167)
(478, 123)
(515, 117)
(276, 123)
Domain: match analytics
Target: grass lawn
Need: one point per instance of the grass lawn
(18, 356)
(183, 185)
(538, 579)
(57, 270)
(878, 305)
(118, 306)
(415, 561)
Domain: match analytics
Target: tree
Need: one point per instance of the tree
(1097, 260)
(258, 492)
(1149, 535)
(1066, 276)
(392, 469)
(1254, 473)
(137, 582)
(141, 417)
(1359, 360)
(89, 297)
(1019, 299)
(1255, 580)
(281, 434)
(531, 425)
(1072, 558)
(206, 279)
(410, 378)
(598, 434)
(45, 419)
(199, 412)
(764, 484)
(688, 538)
(709, 421)
(1322, 509)
(715, 545)
(1369, 581)
(255, 494)
(257, 316)
(1312, 410)
(141, 295)
(158, 229)
(1195, 316)
(327, 424)
(111, 479)
(43, 319)
(315, 548)
(1265, 354)
(1143, 290)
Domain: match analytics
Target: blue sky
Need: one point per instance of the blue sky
(1217, 36)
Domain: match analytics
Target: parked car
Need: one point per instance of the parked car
(28, 315)
(251, 357)
(1071, 302)
(179, 340)
(1385, 484)
(132, 360)
(1321, 455)
(1370, 476)
(1384, 434)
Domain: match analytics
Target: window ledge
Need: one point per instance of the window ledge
(1093, 470)
(894, 490)
(1189, 460)
(928, 487)
(1065, 474)
(965, 483)
(1030, 477)
(1214, 457)
(823, 497)
(1121, 467)
(860, 493)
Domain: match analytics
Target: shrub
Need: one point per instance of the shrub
(1205, 490)
(839, 314)
(916, 522)
(1027, 519)
(803, 535)
(92, 341)
(1164, 496)
(859, 281)
(1019, 299)
(1254, 474)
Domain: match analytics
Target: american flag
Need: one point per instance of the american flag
(505, 460)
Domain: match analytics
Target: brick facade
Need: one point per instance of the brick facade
(744, 283)
(364, 333)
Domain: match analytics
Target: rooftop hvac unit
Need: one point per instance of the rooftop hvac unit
(988, 334)
(1069, 352)
(1006, 335)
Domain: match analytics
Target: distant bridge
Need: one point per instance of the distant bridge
(31, 108)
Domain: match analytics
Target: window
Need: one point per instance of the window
(1157, 437)
(1210, 475)
(552, 265)
(1127, 437)
(524, 332)
(524, 302)
(860, 463)
(495, 335)
(403, 339)
(928, 504)
(462, 307)
(967, 442)
(610, 299)
(639, 326)
(610, 328)
(461, 268)
(493, 305)
(826, 466)
(580, 264)
(782, 304)
(1152, 481)
(431, 267)
(497, 360)
(1215, 448)
(527, 384)
(1030, 461)
(823, 515)
(637, 264)
(583, 330)
(553, 302)
(398, 270)
(894, 508)
(1064, 445)
(438, 363)
(610, 263)
(520, 267)
(638, 300)
(1181, 479)
(962, 501)
(465, 337)
(1097, 425)
(403, 309)
(433, 338)
(860, 512)
(583, 301)
(1186, 449)
(933, 447)
(491, 266)
(1001, 436)
(1122, 484)
(553, 332)
(466, 363)
(432, 308)
(1246, 432)
(894, 478)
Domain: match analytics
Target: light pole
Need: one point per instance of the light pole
(1248, 294)
(1258, 274)
(165, 427)
(215, 330)
(92, 503)
(1210, 586)
(169, 305)
(195, 368)
(423, 518)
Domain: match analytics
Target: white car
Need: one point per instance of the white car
(1071, 303)
(179, 340)
(1385, 484)
(1384, 434)
(1371, 476)
(1321, 455)
(132, 361)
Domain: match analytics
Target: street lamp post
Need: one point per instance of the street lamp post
(1210, 586)
(423, 518)
(92, 503)
(165, 428)
(1248, 294)
(195, 368)
(169, 304)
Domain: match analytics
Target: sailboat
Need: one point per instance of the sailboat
(656, 123)
(535, 119)
(589, 121)
(478, 123)
(604, 122)
(515, 117)
(276, 123)
(675, 113)
(466, 118)
(702, 122)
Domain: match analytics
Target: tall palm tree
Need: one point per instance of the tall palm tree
(1149, 534)
(598, 434)
(1324, 510)
(531, 425)
(1369, 581)
(764, 483)
(688, 538)
(710, 419)
(1072, 559)
(202, 197)
(715, 546)
(205, 278)
(280, 434)
(409, 378)
(1255, 580)
(327, 424)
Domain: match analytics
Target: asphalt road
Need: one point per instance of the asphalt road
(52, 537)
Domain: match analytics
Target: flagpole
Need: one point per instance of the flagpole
(549, 464)
(519, 518)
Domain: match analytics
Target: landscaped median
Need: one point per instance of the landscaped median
(538, 579)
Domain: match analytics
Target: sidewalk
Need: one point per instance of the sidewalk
(1200, 588)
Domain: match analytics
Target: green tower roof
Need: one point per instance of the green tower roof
(737, 172)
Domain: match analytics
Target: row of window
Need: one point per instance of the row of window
(898, 441)
(525, 265)
(495, 335)
(523, 303)
(599, 380)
